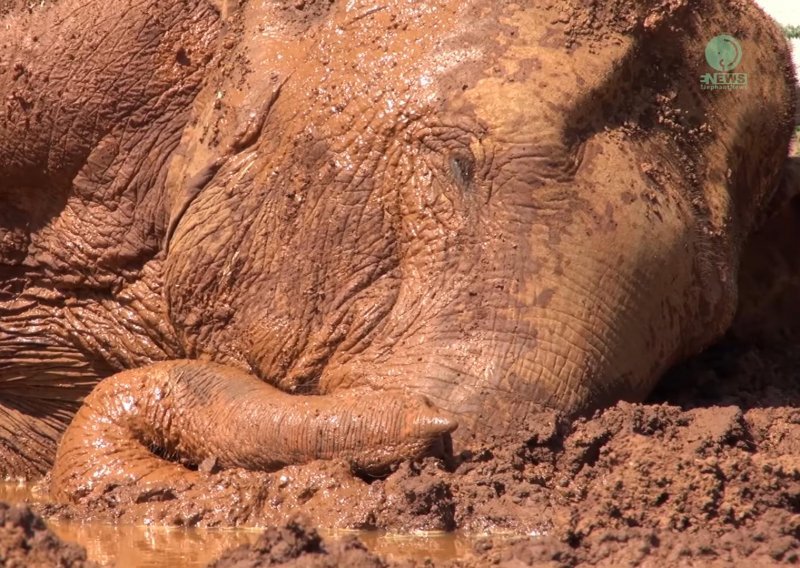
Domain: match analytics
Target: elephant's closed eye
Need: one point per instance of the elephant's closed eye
(462, 166)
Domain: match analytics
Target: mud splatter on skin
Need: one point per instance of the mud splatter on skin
(430, 198)
(704, 473)
(112, 439)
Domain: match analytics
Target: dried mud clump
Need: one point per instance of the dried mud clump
(649, 548)
(656, 485)
(636, 485)
(26, 542)
(297, 544)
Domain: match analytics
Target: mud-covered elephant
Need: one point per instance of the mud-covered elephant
(283, 231)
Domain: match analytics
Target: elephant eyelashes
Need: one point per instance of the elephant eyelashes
(463, 169)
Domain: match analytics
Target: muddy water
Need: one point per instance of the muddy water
(127, 546)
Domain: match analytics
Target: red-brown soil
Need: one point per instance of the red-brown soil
(706, 473)
(297, 544)
(25, 542)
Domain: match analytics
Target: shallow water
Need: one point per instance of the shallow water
(127, 546)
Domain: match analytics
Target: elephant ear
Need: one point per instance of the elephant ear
(769, 278)
(787, 189)
(95, 97)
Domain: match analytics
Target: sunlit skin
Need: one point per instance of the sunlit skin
(344, 232)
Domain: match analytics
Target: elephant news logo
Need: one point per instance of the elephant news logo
(723, 53)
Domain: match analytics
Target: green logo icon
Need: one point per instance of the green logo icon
(724, 53)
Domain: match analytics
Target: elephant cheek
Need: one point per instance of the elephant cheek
(626, 291)
(567, 310)
(597, 316)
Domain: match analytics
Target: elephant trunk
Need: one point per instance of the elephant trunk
(136, 425)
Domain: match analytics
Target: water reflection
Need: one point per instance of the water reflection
(141, 547)
(126, 546)
(439, 547)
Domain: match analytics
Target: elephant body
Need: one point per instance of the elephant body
(288, 231)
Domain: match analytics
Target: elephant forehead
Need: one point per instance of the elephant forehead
(504, 64)
(428, 51)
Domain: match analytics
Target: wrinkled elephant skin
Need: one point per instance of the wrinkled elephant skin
(287, 231)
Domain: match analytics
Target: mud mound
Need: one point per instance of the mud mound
(639, 485)
(26, 542)
(298, 544)
(638, 547)
(707, 472)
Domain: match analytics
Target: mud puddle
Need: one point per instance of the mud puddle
(137, 546)
(706, 473)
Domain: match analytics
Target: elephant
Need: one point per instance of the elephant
(264, 233)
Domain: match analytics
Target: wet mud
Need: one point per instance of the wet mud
(26, 542)
(299, 545)
(707, 472)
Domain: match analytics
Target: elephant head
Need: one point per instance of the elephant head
(497, 206)
(502, 207)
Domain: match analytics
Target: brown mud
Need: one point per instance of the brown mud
(299, 545)
(26, 542)
(707, 472)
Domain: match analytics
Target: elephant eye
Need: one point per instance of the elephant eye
(462, 166)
